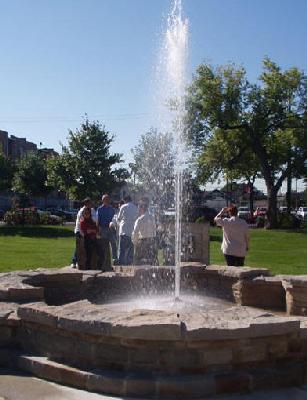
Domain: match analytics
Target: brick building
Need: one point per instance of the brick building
(15, 147)
(4, 142)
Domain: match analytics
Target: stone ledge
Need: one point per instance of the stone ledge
(237, 272)
(157, 386)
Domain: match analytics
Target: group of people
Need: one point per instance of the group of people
(124, 233)
(127, 234)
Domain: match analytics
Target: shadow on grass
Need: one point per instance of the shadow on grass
(36, 231)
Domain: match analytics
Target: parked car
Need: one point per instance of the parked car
(302, 213)
(244, 213)
(67, 215)
(260, 212)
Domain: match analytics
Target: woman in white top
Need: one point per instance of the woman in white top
(235, 236)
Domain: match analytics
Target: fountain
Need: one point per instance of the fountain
(171, 78)
(175, 53)
(121, 332)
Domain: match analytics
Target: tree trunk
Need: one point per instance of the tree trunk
(272, 207)
(251, 198)
(289, 190)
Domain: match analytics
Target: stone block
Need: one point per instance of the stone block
(217, 357)
(4, 295)
(264, 293)
(143, 356)
(268, 326)
(140, 386)
(73, 377)
(186, 387)
(38, 313)
(6, 357)
(5, 335)
(40, 367)
(108, 355)
(88, 326)
(56, 372)
(237, 382)
(22, 294)
(289, 374)
(113, 384)
(262, 379)
(249, 354)
(149, 326)
(181, 361)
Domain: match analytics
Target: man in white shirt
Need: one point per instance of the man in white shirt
(126, 218)
(87, 203)
(235, 236)
(143, 237)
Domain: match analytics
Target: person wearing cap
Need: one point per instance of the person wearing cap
(235, 236)
(105, 214)
(144, 237)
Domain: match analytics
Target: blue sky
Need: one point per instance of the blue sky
(62, 58)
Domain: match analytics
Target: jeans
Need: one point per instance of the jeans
(90, 246)
(125, 250)
(74, 256)
(113, 241)
(234, 260)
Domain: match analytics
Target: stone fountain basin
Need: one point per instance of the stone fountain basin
(179, 340)
(86, 329)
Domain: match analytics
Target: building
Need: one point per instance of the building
(19, 147)
(15, 147)
(47, 153)
(4, 143)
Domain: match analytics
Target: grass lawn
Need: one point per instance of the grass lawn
(35, 247)
(283, 252)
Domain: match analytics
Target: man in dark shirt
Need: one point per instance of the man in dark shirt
(105, 214)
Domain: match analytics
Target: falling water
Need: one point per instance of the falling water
(172, 78)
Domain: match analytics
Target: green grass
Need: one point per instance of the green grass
(35, 247)
(283, 252)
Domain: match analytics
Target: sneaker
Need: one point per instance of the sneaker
(73, 265)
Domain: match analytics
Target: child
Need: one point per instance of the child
(89, 231)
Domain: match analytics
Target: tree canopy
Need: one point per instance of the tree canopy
(30, 178)
(86, 166)
(153, 166)
(239, 127)
(7, 169)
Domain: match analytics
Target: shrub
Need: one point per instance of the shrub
(288, 221)
(260, 221)
(28, 217)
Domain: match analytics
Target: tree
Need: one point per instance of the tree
(7, 169)
(225, 158)
(30, 178)
(86, 166)
(266, 119)
(153, 166)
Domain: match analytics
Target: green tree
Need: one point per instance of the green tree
(86, 166)
(7, 169)
(229, 160)
(266, 119)
(30, 178)
(153, 166)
